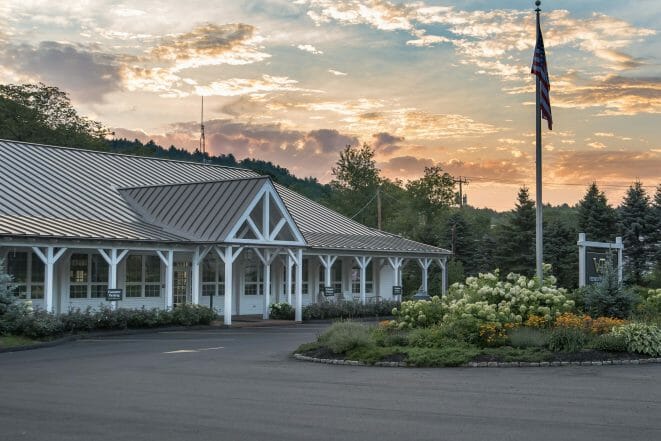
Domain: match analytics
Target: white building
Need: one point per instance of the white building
(74, 223)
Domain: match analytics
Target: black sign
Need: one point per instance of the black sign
(113, 294)
(329, 291)
(595, 265)
(397, 290)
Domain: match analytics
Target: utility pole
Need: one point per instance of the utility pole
(461, 181)
(203, 147)
(378, 207)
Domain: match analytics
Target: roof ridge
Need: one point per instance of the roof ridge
(101, 152)
(179, 184)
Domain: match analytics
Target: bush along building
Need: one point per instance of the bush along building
(78, 227)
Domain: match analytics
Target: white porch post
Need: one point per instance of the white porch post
(443, 263)
(298, 259)
(228, 256)
(168, 261)
(112, 259)
(327, 262)
(396, 264)
(198, 256)
(424, 265)
(289, 264)
(620, 263)
(49, 257)
(581, 259)
(363, 261)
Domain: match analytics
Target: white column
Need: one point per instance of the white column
(168, 261)
(229, 266)
(443, 263)
(327, 262)
(425, 262)
(112, 259)
(267, 284)
(289, 265)
(195, 276)
(362, 264)
(298, 316)
(396, 264)
(49, 257)
(620, 263)
(581, 260)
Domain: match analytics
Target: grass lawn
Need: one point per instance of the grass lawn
(10, 341)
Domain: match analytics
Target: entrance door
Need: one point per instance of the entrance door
(181, 289)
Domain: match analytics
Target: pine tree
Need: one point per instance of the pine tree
(516, 239)
(636, 228)
(459, 238)
(561, 252)
(655, 236)
(6, 296)
(596, 218)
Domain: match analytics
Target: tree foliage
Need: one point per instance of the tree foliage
(516, 238)
(636, 228)
(596, 218)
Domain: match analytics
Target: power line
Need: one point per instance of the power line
(509, 181)
(365, 206)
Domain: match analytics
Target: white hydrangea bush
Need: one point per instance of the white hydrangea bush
(489, 299)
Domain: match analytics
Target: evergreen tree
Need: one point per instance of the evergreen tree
(516, 238)
(636, 228)
(459, 239)
(655, 234)
(6, 287)
(561, 252)
(485, 254)
(596, 218)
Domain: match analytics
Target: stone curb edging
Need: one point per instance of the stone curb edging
(483, 364)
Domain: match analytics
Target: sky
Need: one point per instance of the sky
(424, 82)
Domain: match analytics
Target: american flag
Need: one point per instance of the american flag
(539, 68)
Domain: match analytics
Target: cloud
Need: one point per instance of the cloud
(84, 71)
(597, 145)
(306, 153)
(309, 48)
(337, 73)
(211, 44)
(243, 86)
(604, 165)
(385, 143)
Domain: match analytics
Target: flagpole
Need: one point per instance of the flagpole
(539, 240)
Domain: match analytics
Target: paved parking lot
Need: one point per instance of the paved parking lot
(240, 384)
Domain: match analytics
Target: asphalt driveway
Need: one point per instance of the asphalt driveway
(240, 384)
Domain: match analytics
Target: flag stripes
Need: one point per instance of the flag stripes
(539, 69)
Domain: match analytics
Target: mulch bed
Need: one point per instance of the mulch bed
(584, 355)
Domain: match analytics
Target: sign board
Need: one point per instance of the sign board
(114, 294)
(396, 290)
(595, 264)
(329, 291)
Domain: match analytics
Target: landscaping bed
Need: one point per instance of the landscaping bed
(488, 321)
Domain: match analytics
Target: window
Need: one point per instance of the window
(27, 269)
(143, 276)
(306, 277)
(355, 278)
(88, 276)
(253, 275)
(213, 277)
(336, 277)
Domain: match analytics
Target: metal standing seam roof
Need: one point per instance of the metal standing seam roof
(199, 211)
(63, 192)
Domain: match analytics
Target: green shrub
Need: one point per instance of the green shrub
(610, 343)
(145, 318)
(650, 307)
(567, 340)
(40, 324)
(528, 337)
(78, 321)
(281, 311)
(466, 329)
(348, 310)
(509, 354)
(371, 354)
(609, 298)
(427, 338)
(455, 354)
(344, 336)
(641, 338)
(388, 337)
(189, 315)
(419, 313)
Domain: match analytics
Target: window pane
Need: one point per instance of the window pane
(209, 269)
(152, 269)
(209, 289)
(37, 269)
(221, 289)
(17, 266)
(78, 292)
(99, 269)
(99, 291)
(153, 290)
(37, 291)
(134, 269)
(78, 269)
(133, 290)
